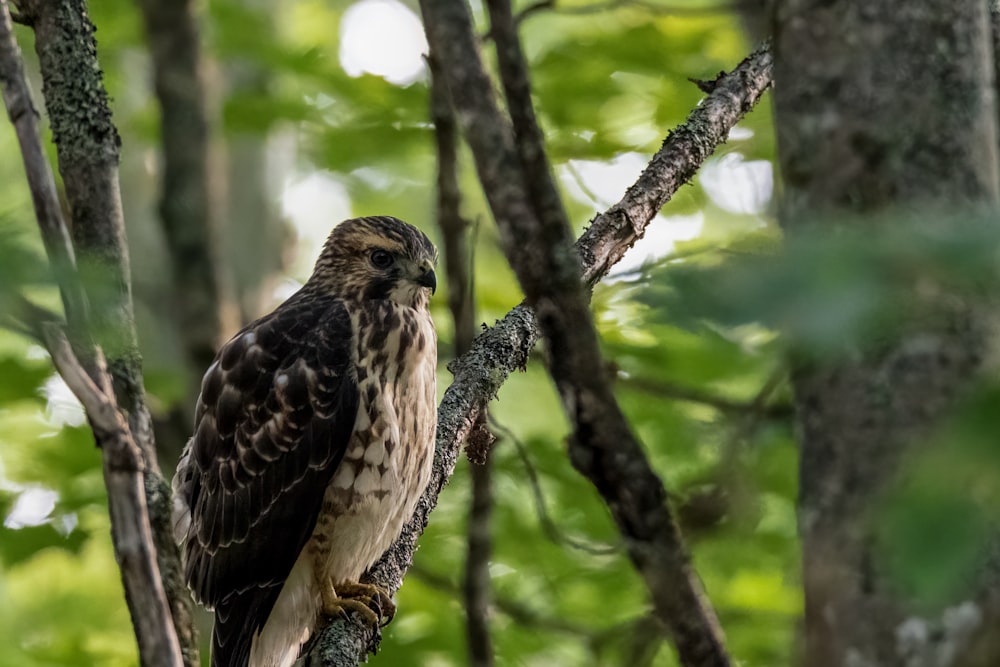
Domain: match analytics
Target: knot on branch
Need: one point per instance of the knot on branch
(480, 440)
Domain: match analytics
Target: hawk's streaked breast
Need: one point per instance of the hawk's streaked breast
(385, 468)
(313, 442)
(387, 463)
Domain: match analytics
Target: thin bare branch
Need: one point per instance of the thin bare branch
(505, 347)
(123, 476)
(677, 392)
(549, 527)
(515, 610)
(29, 319)
(24, 116)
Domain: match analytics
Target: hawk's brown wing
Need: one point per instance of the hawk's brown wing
(275, 414)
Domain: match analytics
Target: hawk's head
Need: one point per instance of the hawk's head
(379, 257)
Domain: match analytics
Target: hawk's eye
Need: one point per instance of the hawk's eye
(381, 259)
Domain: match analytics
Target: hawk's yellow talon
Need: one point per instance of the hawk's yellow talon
(372, 603)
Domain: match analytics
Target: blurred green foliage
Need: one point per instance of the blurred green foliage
(608, 84)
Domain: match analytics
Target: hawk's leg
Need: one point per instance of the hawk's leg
(372, 603)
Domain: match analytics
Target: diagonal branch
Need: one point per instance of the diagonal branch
(505, 347)
(123, 476)
(549, 527)
(44, 198)
(525, 201)
(87, 145)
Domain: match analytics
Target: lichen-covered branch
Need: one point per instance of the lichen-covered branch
(24, 116)
(517, 179)
(505, 347)
(684, 150)
(87, 145)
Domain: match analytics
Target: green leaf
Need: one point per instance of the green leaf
(19, 544)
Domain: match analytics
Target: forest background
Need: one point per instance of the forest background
(318, 111)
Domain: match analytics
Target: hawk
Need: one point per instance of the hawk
(314, 435)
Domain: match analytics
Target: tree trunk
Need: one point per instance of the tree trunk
(882, 108)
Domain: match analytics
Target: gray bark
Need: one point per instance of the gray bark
(87, 146)
(882, 108)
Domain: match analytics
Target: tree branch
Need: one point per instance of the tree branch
(504, 348)
(130, 528)
(684, 150)
(87, 145)
(645, 628)
(676, 392)
(515, 610)
(122, 461)
(549, 527)
(44, 198)
(185, 200)
(537, 239)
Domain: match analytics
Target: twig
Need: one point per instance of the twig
(123, 476)
(613, 232)
(533, 8)
(676, 392)
(644, 628)
(549, 527)
(517, 611)
(87, 144)
(524, 199)
(599, 7)
(30, 319)
(505, 347)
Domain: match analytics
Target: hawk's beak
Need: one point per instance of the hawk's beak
(427, 277)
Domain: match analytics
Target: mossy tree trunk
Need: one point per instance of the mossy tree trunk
(886, 118)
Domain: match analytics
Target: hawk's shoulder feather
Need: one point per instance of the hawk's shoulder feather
(276, 411)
